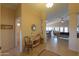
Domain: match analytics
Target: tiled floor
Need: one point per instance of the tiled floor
(60, 46)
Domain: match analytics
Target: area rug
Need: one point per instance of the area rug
(47, 53)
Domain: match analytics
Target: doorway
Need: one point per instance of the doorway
(18, 35)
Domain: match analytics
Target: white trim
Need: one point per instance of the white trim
(20, 41)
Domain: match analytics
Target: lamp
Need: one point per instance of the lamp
(18, 24)
(49, 5)
(62, 21)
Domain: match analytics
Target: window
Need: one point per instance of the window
(78, 29)
(56, 28)
(61, 29)
(65, 29)
(48, 28)
(52, 28)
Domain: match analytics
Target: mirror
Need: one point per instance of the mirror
(33, 27)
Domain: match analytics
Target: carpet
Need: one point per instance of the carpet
(47, 53)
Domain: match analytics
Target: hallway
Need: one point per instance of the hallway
(23, 26)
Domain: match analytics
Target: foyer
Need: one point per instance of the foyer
(38, 30)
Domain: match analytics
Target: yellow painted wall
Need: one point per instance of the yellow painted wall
(7, 36)
(18, 10)
(74, 8)
(29, 16)
(0, 24)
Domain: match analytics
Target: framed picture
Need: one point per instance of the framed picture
(3, 26)
(33, 27)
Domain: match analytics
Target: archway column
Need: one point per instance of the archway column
(73, 41)
(73, 32)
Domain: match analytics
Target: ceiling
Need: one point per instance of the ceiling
(57, 12)
(37, 6)
(54, 14)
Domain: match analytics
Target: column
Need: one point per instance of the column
(73, 27)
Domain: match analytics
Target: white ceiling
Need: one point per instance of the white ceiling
(60, 10)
